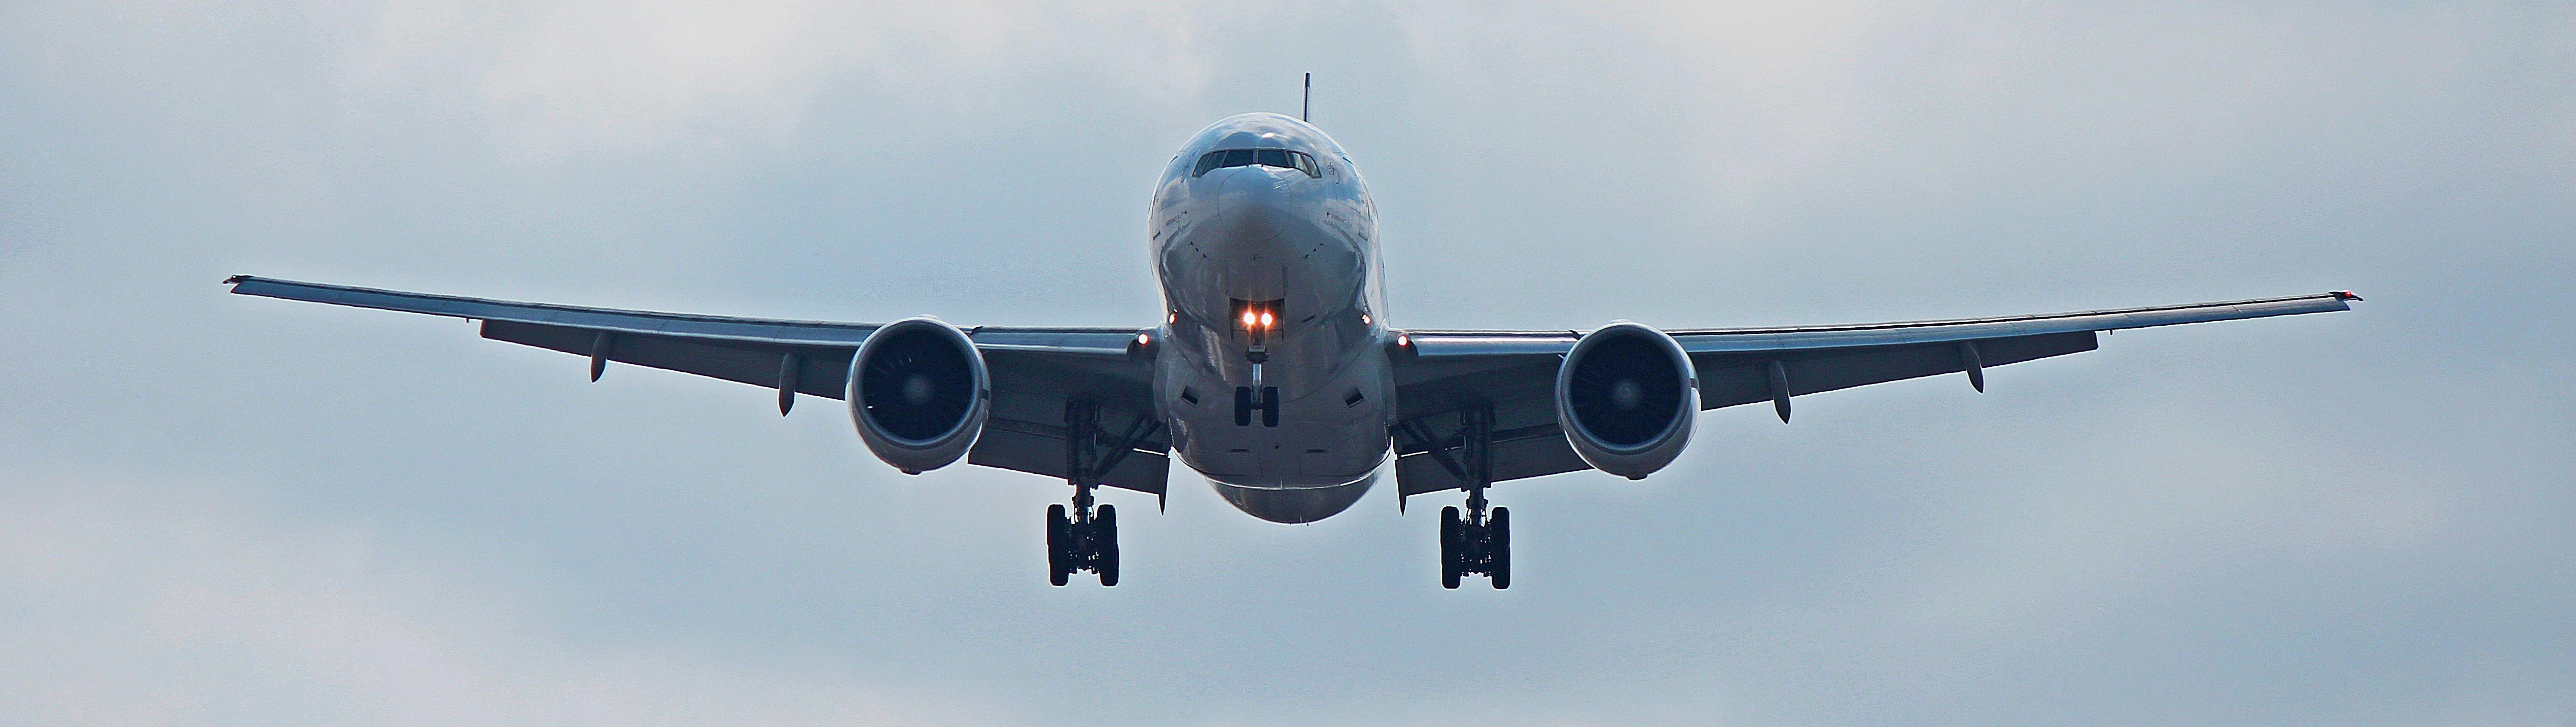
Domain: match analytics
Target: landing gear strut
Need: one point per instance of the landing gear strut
(1086, 539)
(1480, 541)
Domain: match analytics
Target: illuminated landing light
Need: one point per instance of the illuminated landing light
(1266, 321)
(1404, 339)
(1364, 319)
(1249, 319)
(1143, 339)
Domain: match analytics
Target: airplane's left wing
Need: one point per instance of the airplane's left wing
(1513, 373)
(1035, 370)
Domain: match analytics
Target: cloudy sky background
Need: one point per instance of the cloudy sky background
(225, 510)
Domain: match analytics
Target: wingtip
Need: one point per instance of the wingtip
(236, 280)
(2345, 295)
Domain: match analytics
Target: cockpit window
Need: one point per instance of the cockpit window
(1281, 158)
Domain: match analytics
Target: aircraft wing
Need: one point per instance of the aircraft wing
(1035, 370)
(1515, 371)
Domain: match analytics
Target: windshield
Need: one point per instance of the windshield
(1281, 158)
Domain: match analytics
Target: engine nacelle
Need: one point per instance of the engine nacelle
(919, 393)
(1626, 396)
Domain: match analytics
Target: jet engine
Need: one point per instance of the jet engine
(919, 393)
(1626, 396)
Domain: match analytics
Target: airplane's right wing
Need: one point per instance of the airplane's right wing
(1035, 371)
(1514, 372)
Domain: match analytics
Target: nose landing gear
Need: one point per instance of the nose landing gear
(1249, 401)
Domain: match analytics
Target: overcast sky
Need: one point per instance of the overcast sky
(224, 510)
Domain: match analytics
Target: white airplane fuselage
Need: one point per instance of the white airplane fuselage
(1271, 280)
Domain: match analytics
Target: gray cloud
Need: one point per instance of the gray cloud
(165, 605)
(224, 510)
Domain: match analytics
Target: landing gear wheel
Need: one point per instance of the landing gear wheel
(1059, 546)
(1498, 547)
(1452, 548)
(1104, 545)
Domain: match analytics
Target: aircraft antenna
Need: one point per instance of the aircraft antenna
(1309, 105)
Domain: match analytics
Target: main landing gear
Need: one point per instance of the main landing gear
(1089, 542)
(1480, 541)
(1086, 539)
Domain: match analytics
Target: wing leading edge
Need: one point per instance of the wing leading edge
(1035, 371)
(1514, 372)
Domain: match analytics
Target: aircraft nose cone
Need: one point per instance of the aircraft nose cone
(1255, 204)
(1249, 226)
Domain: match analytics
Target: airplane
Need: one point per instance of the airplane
(1275, 373)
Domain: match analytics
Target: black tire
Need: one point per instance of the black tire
(1059, 546)
(1452, 554)
(1105, 538)
(1498, 547)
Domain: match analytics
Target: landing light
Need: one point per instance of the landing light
(1265, 319)
(1249, 318)
(1142, 339)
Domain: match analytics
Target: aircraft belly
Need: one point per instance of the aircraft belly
(1296, 454)
(1294, 506)
(1322, 440)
